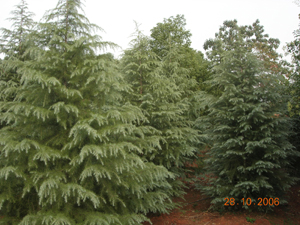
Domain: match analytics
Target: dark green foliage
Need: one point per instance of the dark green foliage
(295, 140)
(198, 67)
(293, 48)
(247, 129)
(71, 152)
(250, 220)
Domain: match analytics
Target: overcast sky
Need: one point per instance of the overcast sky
(203, 17)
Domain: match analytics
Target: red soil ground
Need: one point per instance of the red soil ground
(193, 213)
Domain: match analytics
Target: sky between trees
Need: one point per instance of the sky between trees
(204, 17)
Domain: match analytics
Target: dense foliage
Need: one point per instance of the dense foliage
(162, 90)
(71, 151)
(89, 139)
(293, 48)
(247, 126)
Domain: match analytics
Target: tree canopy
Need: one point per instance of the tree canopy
(86, 138)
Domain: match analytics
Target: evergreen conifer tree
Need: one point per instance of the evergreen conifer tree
(70, 146)
(172, 113)
(247, 129)
(255, 40)
(293, 49)
(13, 45)
(171, 32)
(14, 42)
(162, 89)
(138, 64)
(294, 90)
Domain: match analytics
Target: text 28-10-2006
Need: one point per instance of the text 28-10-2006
(248, 202)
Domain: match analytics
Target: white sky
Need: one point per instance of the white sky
(203, 17)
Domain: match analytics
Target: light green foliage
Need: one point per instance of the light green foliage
(172, 32)
(169, 107)
(169, 33)
(138, 64)
(162, 89)
(254, 40)
(247, 129)
(71, 152)
(13, 45)
(14, 42)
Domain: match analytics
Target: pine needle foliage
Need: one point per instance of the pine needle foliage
(161, 88)
(171, 32)
(292, 49)
(255, 40)
(138, 63)
(247, 129)
(69, 146)
(172, 94)
(13, 44)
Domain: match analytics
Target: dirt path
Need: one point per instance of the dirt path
(193, 213)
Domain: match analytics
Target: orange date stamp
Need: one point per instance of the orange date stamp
(248, 202)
